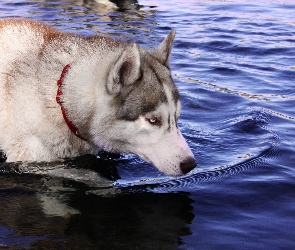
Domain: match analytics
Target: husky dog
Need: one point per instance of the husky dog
(64, 95)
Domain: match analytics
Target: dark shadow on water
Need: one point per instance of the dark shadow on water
(104, 164)
(38, 212)
(137, 221)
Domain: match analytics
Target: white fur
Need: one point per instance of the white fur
(31, 123)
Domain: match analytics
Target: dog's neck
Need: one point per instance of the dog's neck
(59, 94)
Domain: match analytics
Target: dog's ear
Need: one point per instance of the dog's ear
(163, 51)
(126, 71)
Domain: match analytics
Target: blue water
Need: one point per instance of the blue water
(234, 65)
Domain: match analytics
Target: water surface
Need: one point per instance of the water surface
(234, 65)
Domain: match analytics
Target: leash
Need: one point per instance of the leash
(59, 94)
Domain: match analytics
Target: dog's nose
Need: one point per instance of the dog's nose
(187, 165)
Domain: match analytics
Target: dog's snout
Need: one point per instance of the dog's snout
(187, 165)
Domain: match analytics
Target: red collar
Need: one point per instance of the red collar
(59, 94)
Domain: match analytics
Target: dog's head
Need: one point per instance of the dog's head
(145, 106)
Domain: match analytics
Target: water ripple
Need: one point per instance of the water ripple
(190, 182)
(254, 121)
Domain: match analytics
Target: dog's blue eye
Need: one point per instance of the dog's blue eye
(155, 121)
